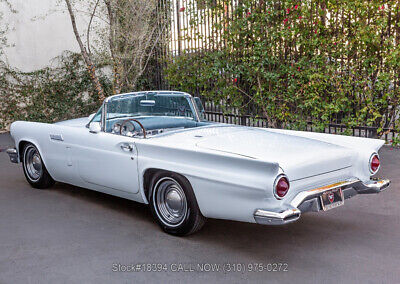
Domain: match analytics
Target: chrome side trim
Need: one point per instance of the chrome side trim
(195, 109)
(13, 154)
(104, 116)
(57, 137)
(308, 200)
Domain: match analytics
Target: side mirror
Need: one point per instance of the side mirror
(94, 127)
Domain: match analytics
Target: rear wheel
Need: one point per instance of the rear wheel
(174, 205)
(34, 169)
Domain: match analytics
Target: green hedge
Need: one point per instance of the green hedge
(294, 61)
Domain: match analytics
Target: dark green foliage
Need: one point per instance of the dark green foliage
(297, 61)
(49, 94)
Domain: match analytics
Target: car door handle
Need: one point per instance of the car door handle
(127, 147)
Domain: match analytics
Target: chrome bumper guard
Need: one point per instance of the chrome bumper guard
(13, 154)
(309, 200)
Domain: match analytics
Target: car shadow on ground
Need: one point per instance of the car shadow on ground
(120, 205)
(252, 239)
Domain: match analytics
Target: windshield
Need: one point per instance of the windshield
(150, 104)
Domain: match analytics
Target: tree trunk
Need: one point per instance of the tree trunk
(111, 41)
(85, 55)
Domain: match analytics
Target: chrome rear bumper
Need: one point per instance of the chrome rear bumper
(309, 200)
(13, 154)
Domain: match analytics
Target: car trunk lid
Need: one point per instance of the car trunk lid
(299, 157)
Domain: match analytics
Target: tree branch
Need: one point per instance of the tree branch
(111, 39)
(89, 25)
(85, 55)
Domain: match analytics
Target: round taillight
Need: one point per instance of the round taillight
(281, 186)
(374, 163)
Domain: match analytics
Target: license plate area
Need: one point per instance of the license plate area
(331, 199)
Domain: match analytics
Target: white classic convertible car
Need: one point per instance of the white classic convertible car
(156, 148)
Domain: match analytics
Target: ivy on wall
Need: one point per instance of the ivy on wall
(49, 94)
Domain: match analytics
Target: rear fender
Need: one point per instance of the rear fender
(226, 186)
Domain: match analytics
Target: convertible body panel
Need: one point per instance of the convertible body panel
(232, 169)
(77, 122)
(81, 158)
(230, 178)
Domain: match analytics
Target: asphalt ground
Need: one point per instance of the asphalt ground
(74, 235)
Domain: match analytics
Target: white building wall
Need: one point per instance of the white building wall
(40, 31)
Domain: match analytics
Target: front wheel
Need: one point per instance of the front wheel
(34, 169)
(174, 205)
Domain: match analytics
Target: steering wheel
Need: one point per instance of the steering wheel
(135, 120)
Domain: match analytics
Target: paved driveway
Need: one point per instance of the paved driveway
(69, 234)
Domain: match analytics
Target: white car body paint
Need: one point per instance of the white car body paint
(231, 168)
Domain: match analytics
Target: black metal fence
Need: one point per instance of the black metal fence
(217, 114)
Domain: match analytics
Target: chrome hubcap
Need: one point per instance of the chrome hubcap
(170, 201)
(33, 163)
